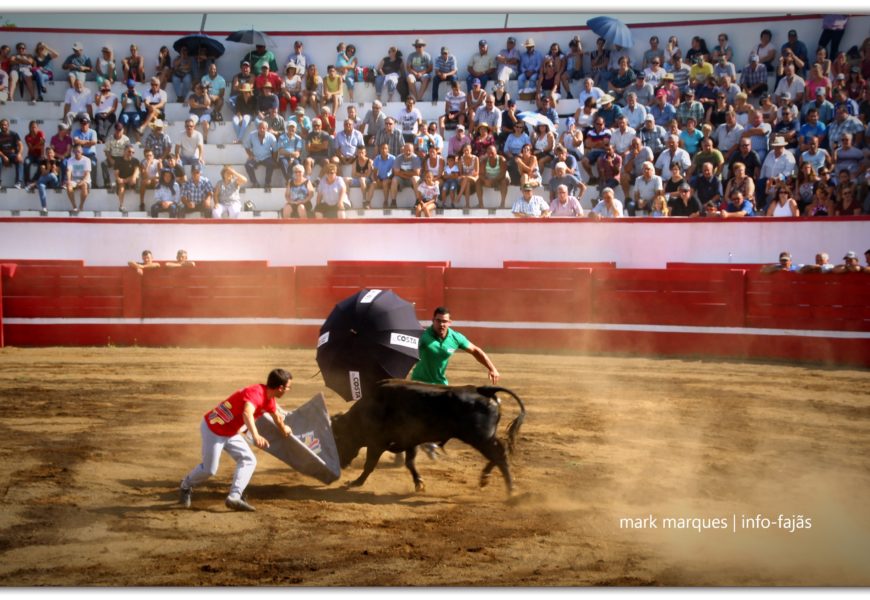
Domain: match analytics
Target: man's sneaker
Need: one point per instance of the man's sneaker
(43, 212)
(19, 186)
(239, 504)
(184, 497)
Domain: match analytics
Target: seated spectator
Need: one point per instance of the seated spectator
(740, 181)
(686, 204)
(419, 69)
(818, 86)
(737, 207)
(347, 64)
(778, 166)
(267, 107)
(260, 146)
(345, 144)
(469, 173)
(635, 106)
(226, 194)
(690, 137)
(672, 154)
(391, 136)
(148, 262)
(850, 264)
(49, 177)
(333, 88)
(181, 260)
(4, 85)
(816, 157)
(291, 90)
(481, 67)
(607, 207)
(389, 70)
(21, 66)
(645, 189)
(753, 78)
(429, 138)
(382, 175)
(133, 66)
(790, 84)
(597, 139)
(724, 67)
(131, 110)
(689, 108)
(678, 74)
(35, 142)
(42, 71)
(163, 67)
(783, 205)
(361, 172)
(246, 109)
(105, 67)
(318, 147)
(653, 74)
(182, 74)
(155, 100)
(508, 61)
(215, 86)
(609, 167)
(158, 141)
(543, 141)
(784, 264)
(493, 174)
(290, 148)
(564, 204)
(197, 194)
(298, 195)
(373, 123)
(77, 100)
(847, 204)
(78, 176)
(87, 138)
(525, 168)
(331, 195)
(659, 206)
(299, 57)
(77, 64)
(662, 111)
(563, 174)
(191, 146)
(113, 151)
(455, 108)
(428, 192)
(104, 108)
(126, 175)
(529, 205)
(167, 194)
(312, 88)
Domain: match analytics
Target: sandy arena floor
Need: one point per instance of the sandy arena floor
(96, 440)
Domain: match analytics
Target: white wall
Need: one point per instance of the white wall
(466, 243)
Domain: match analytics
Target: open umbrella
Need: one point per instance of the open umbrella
(614, 31)
(534, 119)
(367, 337)
(213, 48)
(251, 36)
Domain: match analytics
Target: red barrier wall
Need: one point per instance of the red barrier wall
(679, 311)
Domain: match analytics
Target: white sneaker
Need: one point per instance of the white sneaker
(239, 504)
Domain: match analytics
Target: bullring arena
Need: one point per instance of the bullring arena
(690, 421)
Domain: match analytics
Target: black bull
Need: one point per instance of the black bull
(404, 414)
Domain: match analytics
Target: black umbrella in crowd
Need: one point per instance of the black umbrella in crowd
(367, 337)
(251, 36)
(213, 48)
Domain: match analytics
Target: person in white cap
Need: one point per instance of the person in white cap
(753, 78)
(77, 64)
(530, 65)
(850, 264)
(778, 166)
(508, 61)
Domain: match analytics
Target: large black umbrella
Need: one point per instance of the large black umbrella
(251, 36)
(367, 337)
(213, 48)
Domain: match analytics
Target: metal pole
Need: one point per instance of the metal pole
(506, 17)
(202, 26)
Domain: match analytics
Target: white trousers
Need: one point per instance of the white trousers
(212, 445)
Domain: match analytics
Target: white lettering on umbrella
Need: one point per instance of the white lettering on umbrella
(322, 339)
(370, 296)
(355, 385)
(400, 339)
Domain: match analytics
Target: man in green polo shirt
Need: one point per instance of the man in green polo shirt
(437, 345)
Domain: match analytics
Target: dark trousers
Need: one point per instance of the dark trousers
(251, 167)
(833, 36)
(436, 81)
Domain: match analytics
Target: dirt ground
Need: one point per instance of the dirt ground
(96, 440)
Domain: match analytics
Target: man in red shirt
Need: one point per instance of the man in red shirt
(220, 431)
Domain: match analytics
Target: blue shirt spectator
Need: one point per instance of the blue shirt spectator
(384, 166)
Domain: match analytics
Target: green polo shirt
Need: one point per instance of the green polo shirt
(435, 354)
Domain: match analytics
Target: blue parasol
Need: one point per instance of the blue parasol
(213, 48)
(614, 31)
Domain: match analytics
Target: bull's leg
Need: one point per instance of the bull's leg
(494, 450)
(410, 455)
(373, 455)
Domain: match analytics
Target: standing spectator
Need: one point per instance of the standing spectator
(197, 194)
(226, 194)
(481, 66)
(260, 146)
(299, 57)
(419, 69)
(833, 28)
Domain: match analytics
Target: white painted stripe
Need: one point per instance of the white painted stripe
(807, 333)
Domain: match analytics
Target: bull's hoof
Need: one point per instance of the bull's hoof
(484, 480)
(419, 486)
(353, 484)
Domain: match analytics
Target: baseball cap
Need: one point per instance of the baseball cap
(512, 40)
(528, 186)
(195, 168)
(850, 254)
(511, 102)
(840, 76)
(792, 32)
(649, 118)
(685, 186)
(445, 50)
(753, 58)
(78, 46)
(784, 256)
(131, 83)
(119, 126)
(475, 81)
(244, 62)
(460, 128)
(482, 43)
(785, 96)
(820, 91)
(299, 110)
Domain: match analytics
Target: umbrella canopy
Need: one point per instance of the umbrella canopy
(614, 31)
(534, 119)
(213, 48)
(251, 36)
(367, 337)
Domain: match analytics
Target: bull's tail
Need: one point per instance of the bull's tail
(513, 429)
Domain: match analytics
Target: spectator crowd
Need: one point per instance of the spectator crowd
(701, 131)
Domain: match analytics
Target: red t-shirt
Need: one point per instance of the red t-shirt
(226, 418)
(35, 143)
